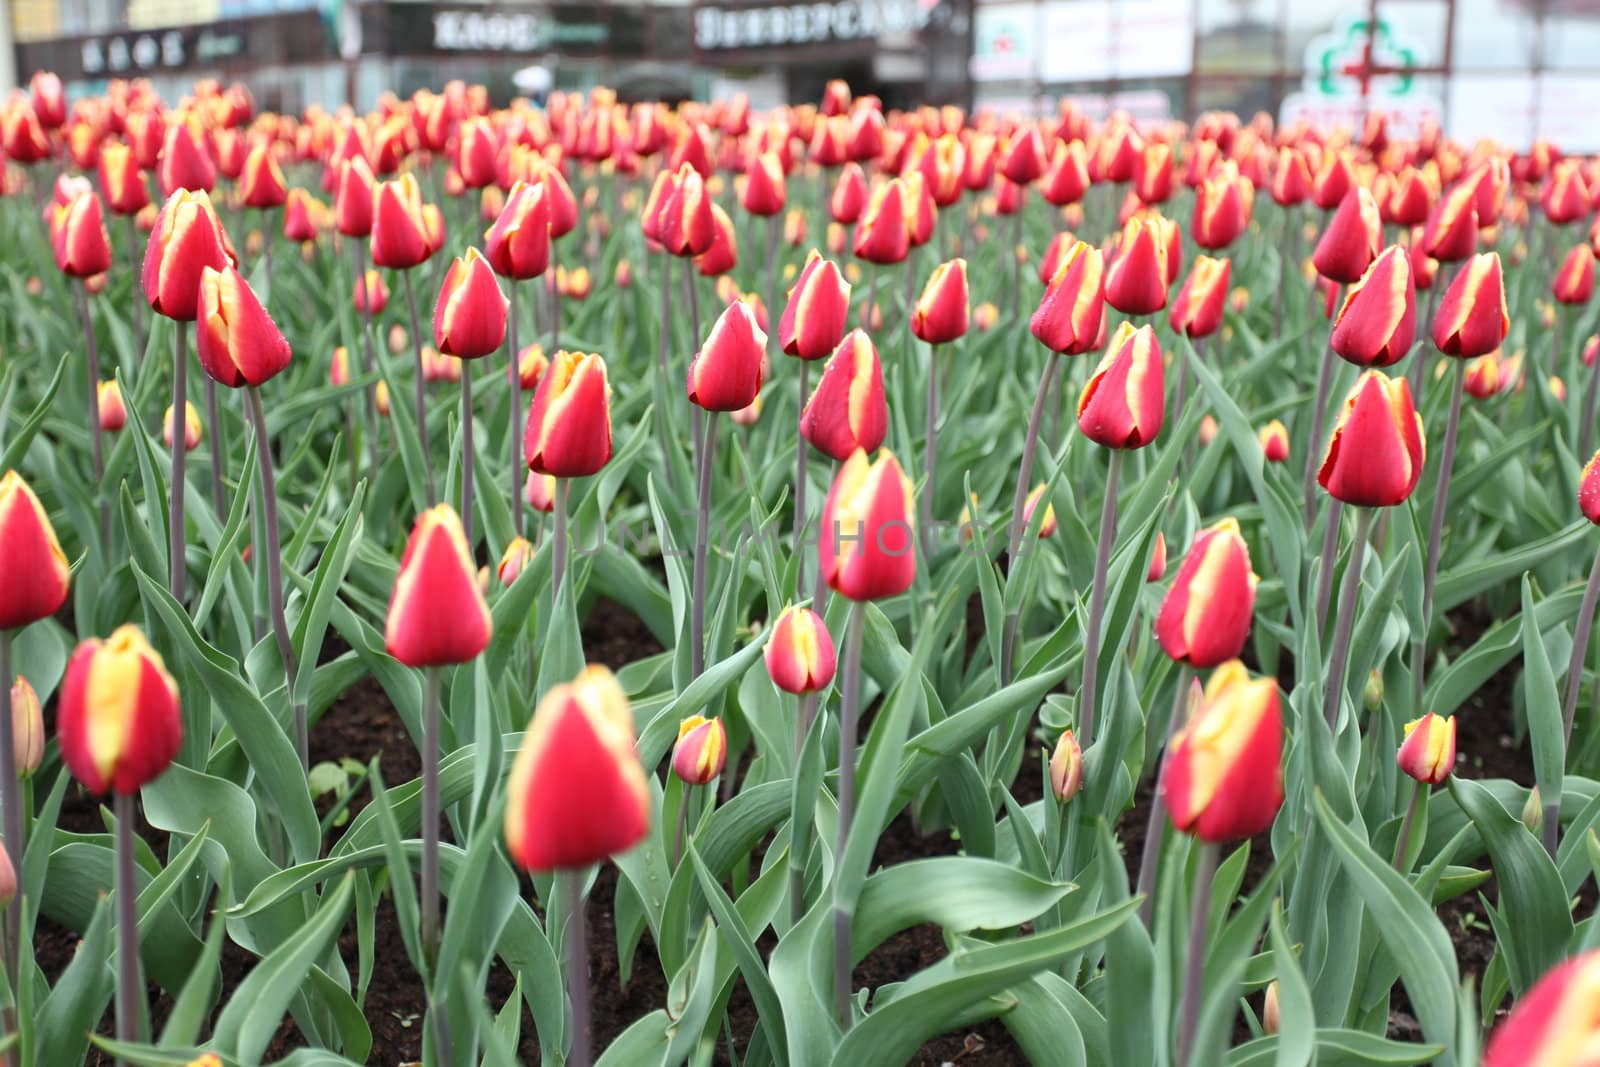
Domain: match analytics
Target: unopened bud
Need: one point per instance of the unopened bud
(1533, 812)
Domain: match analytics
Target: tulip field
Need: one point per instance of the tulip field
(626, 584)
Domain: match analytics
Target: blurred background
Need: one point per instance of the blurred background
(1511, 70)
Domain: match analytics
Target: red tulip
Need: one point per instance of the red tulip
(79, 239)
(1068, 178)
(701, 751)
(122, 181)
(400, 238)
(1197, 309)
(1378, 319)
(469, 319)
(1123, 404)
(849, 197)
(687, 226)
(1071, 315)
(800, 654)
(568, 432)
(185, 159)
(1224, 774)
(941, 313)
(1205, 616)
(353, 198)
(1428, 753)
(34, 573)
(1574, 281)
(187, 238)
(118, 719)
(1352, 239)
(1472, 318)
(765, 191)
(1136, 277)
(818, 309)
(1375, 455)
(725, 375)
(847, 413)
(867, 550)
(882, 236)
(261, 183)
(236, 340)
(1451, 232)
(1553, 1024)
(437, 614)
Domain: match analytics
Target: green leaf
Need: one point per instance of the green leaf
(959, 893)
(1546, 728)
(20, 438)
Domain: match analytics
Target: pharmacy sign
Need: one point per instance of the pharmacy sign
(1361, 66)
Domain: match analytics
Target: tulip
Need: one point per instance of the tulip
(1485, 376)
(79, 239)
(193, 429)
(849, 197)
(1136, 275)
(476, 149)
(576, 795)
(1429, 751)
(1451, 232)
(185, 160)
(568, 433)
(1274, 438)
(865, 552)
(1197, 309)
(1066, 767)
(800, 654)
(1333, 180)
(1291, 178)
(687, 226)
(1158, 559)
(188, 237)
(529, 367)
(1070, 315)
(118, 718)
(1589, 506)
(726, 373)
(372, 294)
(1047, 524)
(261, 183)
(1068, 177)
(847, 413)
(1472, 318)
(941, 313)
(22, 137)
(765, 190)
(1377, 320)
(1574, 280)
(300, 215)
(1564, 196)
(400, 238)
(1553, 1024)
(469, 318)
(723, 255)
(1375, 455)
(121, 181)
(1205, 616)
(700, 754)
(236, 340)
(1352, 239)
(1221, 208)
(518, 244)
(882, 236)
(540, 492)
(1023, 159)
(817, 311)
(513, 560)
(112, 412)
(1271, 1022)
(35, 570)
(353, 199)
(1123, 403)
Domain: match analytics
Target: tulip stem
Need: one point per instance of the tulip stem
(1402, 844)
(280, 625)
(129, 985)
(1586, 430)
(683, 819)
(1097, 603)
(10, 810)
(430, 814)
(358, 276)
(772, 284)
(558, 549)
(1348, 595)
(137, 294)
(930, 449)
(466, 452)
(1580, 648)
(1150, 858)
(797, 862)
(1318, 414)
(849, 710)
(96, 442)
(664, 369)
(422, 388)
(514, 430)
(219, 501)
(266, 247)
(1205, 869)
(1030, 445)
(1430, 575)
(577, 945)
(1414, 372)
(1330, 553)
(802, 453)
(702, 538)
(177, 573)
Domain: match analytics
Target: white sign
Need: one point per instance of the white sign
(1004, 42)
(1103, 40)
(786, 24)
(1359, 69)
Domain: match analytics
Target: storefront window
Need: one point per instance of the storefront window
(1495, 35)
(1237, 36)
(1572, 38)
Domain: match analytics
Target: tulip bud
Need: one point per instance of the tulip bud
(261, 183)
(849, 197)
(1123, 404)
(941, 313)
(800, 653)
(1274, 437)
(236, 340)
(437, 615)
(1224, 774)
(353, 198)
(883, 236)
(1023, 160)
(121, 180)
(187, 238)
(1066, 767)
(1588, 490)
(687, 226)
(1070, 317)
(1136, 277)
(518, 244)
(847, 412)
(34, 573)
(1377, 322)
(476, 150)
(723, 255)
(8, 877)
(1564, 197)
(985, 315)
(568, 432)
(469, 319)
(1372, 692)
(1158, 559)
(1047, 525)
(371, 282)
(1333, 180)
(1428, 752)
(1205, 616)
(867, 550)
(814, 318)
(1270, 1020)
(1352, 239)
(1472, 317)
(118, 719)
(1221, 208)
(765, 190)
(516, 556)
(1574, 281)
(1291, 178)
(1197, 309)
(576, 793)
(83, 247)
(27, 727)
(1533, 812)
(540, 492)
(108, 401)
(400, 238)
(1375, 455)
(300, 214)
(529, 367)
(701, 751)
